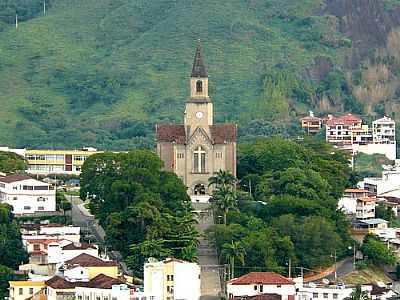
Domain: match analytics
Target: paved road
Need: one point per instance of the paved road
(208, 259)
(343, 268)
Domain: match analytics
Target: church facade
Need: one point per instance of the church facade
(198, 148)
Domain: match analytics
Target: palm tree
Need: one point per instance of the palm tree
(224, 200)
(358, 294)
(222, 179)
(189, 253)
(232, 251)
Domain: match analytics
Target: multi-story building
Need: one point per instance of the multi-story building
(311, 124)
(172, 279)
(45, 162)
(384, 131)
(27, 195)
(348, 203)
(339, 130)
(365, 208)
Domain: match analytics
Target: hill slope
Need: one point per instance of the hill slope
(102, 72)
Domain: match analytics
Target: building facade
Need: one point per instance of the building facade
(311, 124)
(172, 279)
(198, 148)
(27, 195)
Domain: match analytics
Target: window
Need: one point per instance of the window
(172, 277)
(20, 291)
(261, 288)
(36, 247)
(41, 199)
(325, 295)
(181, 155)
(30, 291)
(98, 298)
(255, 288)
(27, 207)
(199, 86)
(278, 286)
(40, 208)
(79, 297)
(218, 155)
(335, 296)
(15, 198)
(27, 188)
(41, 188)
(199, 160)
(315, 295)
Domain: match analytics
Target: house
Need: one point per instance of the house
(384, 131)
(50, 231)
(27, 195)
(365, 208)
(172, 279)
(58, 253)
(370, 225)
(311, 124)
(382, 293)
(348, 203)
(21, 290)
(339, 130)
(256, 283)
(94, 265)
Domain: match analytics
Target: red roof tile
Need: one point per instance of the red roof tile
(348, 119)
(261, 278)
(223, 133)
(356, 191)
(86, 260)
(367, 199)
(13, 178)
(101, 281)
(171, 133)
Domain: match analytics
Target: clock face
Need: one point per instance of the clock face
(199, 114)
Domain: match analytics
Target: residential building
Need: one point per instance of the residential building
(58, 254)
(94, 265)
(198, 148)
(172, 279)
(22, 290)
(46, 162)
(256, 283)
(311, 124)
(339, 130)
(348, 203)
(50, 231)
(370, 225)
(386, 186)
(27, 195)
(111, 289)
(365, 208)
(384, 131)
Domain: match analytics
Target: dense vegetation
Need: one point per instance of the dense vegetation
(144, 211)
(12, 252)
(11, 162)
(370, 165)
(291, 212)
(102, 72)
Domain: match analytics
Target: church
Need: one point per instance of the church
(198, 148)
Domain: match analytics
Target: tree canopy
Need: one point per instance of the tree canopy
(11, 162)
(145, 211)
(287, 205)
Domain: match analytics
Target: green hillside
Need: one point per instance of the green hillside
(103, 72)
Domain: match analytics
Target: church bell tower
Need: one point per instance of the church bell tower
(199, 108)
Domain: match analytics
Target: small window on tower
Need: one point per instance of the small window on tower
(199, 86)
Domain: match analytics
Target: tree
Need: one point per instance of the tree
(224, 199)
(231, 252)
(385, 212)
(358, 294)
(6, 274)
(222, 179)
(377, 252)
(11, 162)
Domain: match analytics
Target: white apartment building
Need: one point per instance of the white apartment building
(257, 283)
(58, 253)
(171, 279)
(384, 131)
(27, 195)
(115, 292)
(365, 208)
(50, 231)
(348, 203)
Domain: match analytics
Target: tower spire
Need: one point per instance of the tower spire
(199, 69)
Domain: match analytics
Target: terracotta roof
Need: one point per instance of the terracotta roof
(259, 297)
(348, 119)
(199, 69)
(13, 178)
(79, 246)
(309, 118)
(86, 260)
(101, 281)
(355, 191)
(171, 133)
(41, 241)
(222, 133)
(261, 278)
(367, 199)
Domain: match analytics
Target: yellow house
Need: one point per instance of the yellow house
(94, 265)
(43, 162)
(21, 290)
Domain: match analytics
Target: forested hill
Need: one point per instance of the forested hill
(103, 72)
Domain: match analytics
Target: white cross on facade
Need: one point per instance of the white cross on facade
(201, 157)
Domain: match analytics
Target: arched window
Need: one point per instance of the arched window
(199, 86)
(199, 160)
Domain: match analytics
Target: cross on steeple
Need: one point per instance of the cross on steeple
(199, 70)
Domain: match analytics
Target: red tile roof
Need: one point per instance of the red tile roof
(101, 281)
(13, 178)
(356, 191)
(367, 199)
(220, 133)
(86, 260)
(79, 246)
(348, 119)
(309, 118)
(261, 278)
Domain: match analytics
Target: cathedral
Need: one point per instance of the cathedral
(198, 148)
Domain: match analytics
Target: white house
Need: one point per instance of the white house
(27, 195)
(58, 254)
(348, 203)
(171, 279)
(365, 208)
(256, 283)
(51, 231)
(110, 292)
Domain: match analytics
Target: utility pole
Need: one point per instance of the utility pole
(335, 267)
(250, 187)
(16, 21)
(44, 7)
(290, 268)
